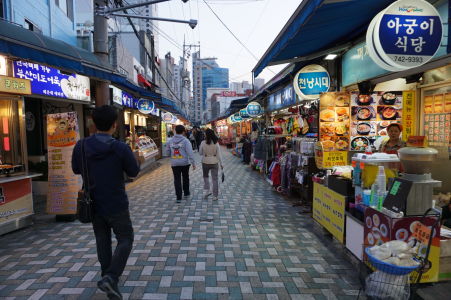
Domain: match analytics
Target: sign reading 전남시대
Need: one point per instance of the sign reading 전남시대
(311, 81)
(407, 34)
(145, 106)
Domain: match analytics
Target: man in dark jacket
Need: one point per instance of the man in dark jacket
(107, 160)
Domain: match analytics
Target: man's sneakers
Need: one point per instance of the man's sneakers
(109, 286)
(178, 201)
(207, 193)
(215, 198)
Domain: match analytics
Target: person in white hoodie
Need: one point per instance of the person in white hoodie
(182, 157)
(211, 160)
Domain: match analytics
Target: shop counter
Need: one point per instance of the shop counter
(354, 235)
(16, 202)
(380, 228)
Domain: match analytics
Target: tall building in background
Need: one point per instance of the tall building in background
(206, 74)
(52, 18)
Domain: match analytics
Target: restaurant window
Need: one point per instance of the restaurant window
(11, 136)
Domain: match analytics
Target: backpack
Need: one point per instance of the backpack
(175, 150)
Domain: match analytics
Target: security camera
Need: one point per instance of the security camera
(192, 23)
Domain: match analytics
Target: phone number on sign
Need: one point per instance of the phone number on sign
(410, 59)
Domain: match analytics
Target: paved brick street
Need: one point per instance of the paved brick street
(251, 244)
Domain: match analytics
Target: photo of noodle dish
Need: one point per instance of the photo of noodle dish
(363, 113)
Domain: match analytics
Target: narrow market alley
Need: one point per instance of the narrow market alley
(251, 244)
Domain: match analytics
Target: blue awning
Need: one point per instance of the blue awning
(21, 43)
(319, 25)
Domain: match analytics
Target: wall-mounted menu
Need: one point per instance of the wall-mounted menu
(334, 120)
(370, 116)
(437, 118)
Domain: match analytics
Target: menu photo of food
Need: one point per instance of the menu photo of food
(363, 99)
(335, 143)
(342, 99)
(448, 102)
(342, 114)
(364, 128)
(327, 114)
(389, 98)
(327, 128)
(389, 113)
(363, 113)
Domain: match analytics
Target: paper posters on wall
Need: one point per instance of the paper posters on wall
(370, 116)
(63, 185)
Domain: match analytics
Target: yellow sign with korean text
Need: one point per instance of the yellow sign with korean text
(335, 158)
(16, 86)
(329, 210)
(408, 114)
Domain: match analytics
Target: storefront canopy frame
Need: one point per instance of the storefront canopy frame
(21, 43)
(317, 26)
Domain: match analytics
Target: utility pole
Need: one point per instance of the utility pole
(187, 47)
(101, 51)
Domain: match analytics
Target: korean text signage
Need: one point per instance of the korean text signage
(15, 85)
(244, 114)
(16, 200)
(145, 106)
(228, 94)
(254, 109)
(128, 100)
(405, 35)
(3, 62)
(62, 135)
(51, 82)
(408, 120)
(168, 117)
(311, 81)
(237, 117)
(329, 210)
(116, 94)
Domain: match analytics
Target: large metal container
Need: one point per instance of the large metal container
(416, 160)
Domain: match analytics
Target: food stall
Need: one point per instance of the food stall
(16, 200)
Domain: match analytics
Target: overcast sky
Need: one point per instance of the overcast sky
(256, 23)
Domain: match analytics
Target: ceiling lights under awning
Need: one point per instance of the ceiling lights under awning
(317, 26)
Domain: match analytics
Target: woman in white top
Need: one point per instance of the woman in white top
(211, 160)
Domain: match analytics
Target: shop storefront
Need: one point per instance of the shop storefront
(16, 199)
(142, 129)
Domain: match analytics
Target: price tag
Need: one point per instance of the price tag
(335, 158)
(422, 233)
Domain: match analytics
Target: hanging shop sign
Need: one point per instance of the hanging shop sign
(3, 63)
(15, 85)
(244, 114)
(62, 135)
(254, 109)
(237, 117)
(145, 106)
(167, 117)
(128, 100)
(116, 95)
(405, 35)
(52, 82)
(311, 81)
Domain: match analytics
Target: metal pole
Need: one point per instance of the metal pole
(190, 22)
(134, 5)
(102, 96)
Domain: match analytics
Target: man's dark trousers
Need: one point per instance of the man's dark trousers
(179, 172)
(113, 264)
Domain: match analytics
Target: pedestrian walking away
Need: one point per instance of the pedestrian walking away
(211, 160)
(107, 159)
(182, 157)
(199, 137)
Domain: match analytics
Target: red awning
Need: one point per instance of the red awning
(143, 81)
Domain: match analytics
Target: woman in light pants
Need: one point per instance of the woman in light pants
(211, 160)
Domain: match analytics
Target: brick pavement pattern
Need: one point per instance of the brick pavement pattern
(251, 244)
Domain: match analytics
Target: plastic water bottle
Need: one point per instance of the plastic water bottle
(381, 187)
(374, 197)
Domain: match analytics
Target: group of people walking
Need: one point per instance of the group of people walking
(106, 160)
(182, 157)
